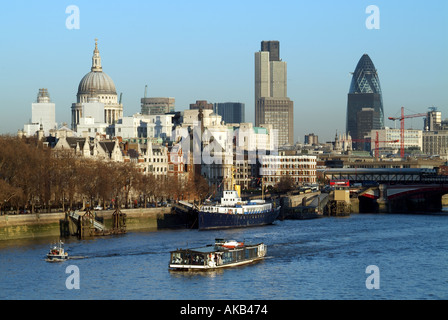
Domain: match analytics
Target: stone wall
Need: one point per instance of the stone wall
(47, 224)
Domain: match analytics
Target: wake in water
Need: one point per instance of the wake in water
(78, 257)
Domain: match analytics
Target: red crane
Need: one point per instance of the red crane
(402, 126)
(377, 143)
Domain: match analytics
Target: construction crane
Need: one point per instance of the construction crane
(402, 126)
(377, 143)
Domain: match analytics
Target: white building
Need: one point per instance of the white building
(92, 121)
(156, 126)
(88, 127)
(412, 139)
(155, 159)
(43, 113)
(143, 126)
(301, 168)
(252, 138)
(126, 127)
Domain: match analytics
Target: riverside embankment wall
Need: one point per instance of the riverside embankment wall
(47, 224)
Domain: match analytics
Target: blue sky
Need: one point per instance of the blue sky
(204, 50)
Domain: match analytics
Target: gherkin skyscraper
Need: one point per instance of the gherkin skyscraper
(365, 101)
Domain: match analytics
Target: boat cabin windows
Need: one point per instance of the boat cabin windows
(230, 198)
(188, 257)
(251, 252)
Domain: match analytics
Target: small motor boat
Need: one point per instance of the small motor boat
(57, 253)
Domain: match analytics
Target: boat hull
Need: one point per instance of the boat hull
(56, 258)
(186, 267)
(210, 220)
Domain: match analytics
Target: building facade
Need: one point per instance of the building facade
(279, 112)
(231, 112)
(436, 143)
(301, 168)
(311, 139)
(201, 104)
(413, 139)
(157, 106)
(43, 115)
(433, 120)
(143, 126)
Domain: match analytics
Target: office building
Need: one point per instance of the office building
(413, 140)
(279, 112)
(311, 139)
(300, 168)
(436, 143)
(157, 106)
(42, 115)
(272, 105)
(201, 104)
(365, 101)
(433, 120)
(231, 112)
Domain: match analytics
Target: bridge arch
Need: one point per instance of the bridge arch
(416, 199)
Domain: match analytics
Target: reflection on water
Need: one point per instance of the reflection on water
(194, 274)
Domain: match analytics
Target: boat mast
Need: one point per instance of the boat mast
(262, 188)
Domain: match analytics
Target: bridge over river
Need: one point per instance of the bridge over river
(394, 190)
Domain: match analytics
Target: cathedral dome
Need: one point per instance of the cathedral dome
(96, 83)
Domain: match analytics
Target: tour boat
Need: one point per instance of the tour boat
(57, 253)
(232, 212)
(223, 254)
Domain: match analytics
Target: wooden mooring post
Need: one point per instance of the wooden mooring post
(86, 224)
(118, 222)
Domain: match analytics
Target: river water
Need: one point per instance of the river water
(313, 259)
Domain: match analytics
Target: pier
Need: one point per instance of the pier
(303, 206)
(88, 224)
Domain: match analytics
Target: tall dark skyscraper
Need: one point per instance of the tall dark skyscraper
(273, 46)
(231, 112)
(272, 105)
(365, 101)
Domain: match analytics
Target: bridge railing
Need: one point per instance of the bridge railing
(405, 176)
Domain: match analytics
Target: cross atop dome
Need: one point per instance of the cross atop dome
(96, 59)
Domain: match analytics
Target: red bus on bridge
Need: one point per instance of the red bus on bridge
(340, 183)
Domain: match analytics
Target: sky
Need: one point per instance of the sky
(204, 50)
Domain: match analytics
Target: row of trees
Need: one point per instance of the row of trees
(34, 176)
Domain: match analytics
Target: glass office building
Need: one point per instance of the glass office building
(231, 112)
(365, 94)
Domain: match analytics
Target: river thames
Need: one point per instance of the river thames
(327, 258)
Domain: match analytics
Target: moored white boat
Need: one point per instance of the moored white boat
(233, 212)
